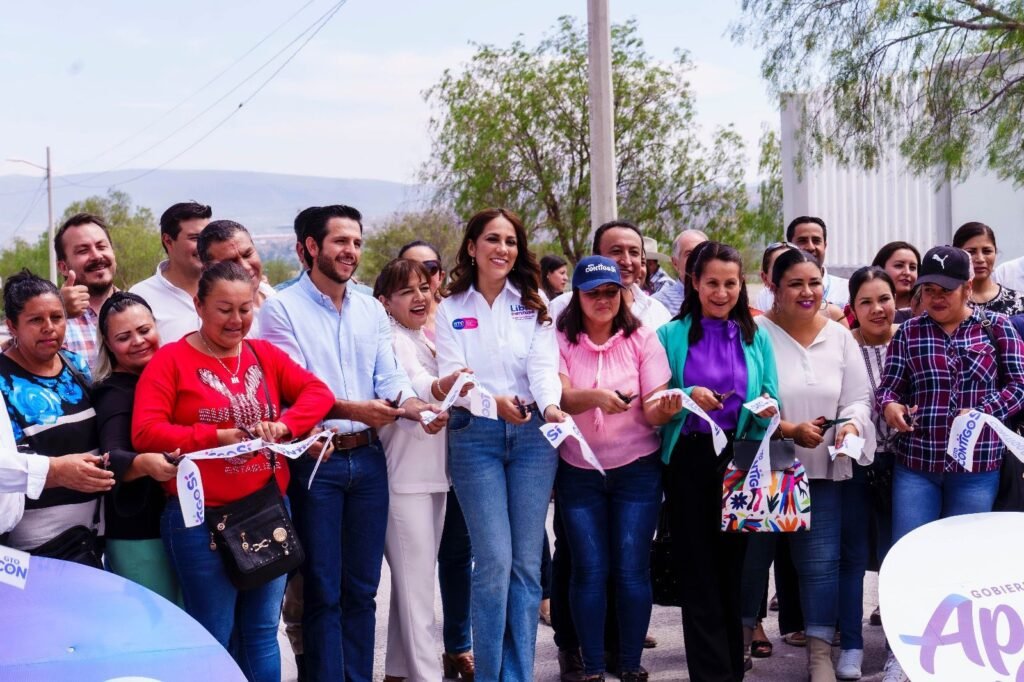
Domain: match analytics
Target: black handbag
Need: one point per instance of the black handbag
(254, 535)
(666, 582)
(781, 453)
(79, 544)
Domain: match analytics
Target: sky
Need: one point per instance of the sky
(99, 81)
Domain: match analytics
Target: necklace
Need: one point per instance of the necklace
(238, 364)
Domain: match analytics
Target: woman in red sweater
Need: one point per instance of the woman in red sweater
(206, 390)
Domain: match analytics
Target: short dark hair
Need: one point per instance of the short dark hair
(22, 287)
(170, 221)
(863, 275)
(549, 264)
(570, 320)
(969, 231)
(216, 232)
(75, 221)
(788, 259)
(885, 253)
(314, 224)
(226, 271)
(800, 220)
(419, 242)
(599, 233)
(695, 265)
(396, 274)
(766, 257)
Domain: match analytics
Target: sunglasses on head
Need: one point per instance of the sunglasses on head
(433, 266)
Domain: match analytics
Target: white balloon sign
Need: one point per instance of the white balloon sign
(952, 599)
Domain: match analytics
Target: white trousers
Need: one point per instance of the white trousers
(415, 522)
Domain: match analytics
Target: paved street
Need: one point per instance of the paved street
(667, 661)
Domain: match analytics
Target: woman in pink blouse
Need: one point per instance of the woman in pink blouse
(610, 365)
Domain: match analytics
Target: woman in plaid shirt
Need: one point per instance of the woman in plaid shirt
(940, 364)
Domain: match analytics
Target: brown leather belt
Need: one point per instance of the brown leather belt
(351, 441)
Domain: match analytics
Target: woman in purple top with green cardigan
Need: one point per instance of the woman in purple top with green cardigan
(721, 359)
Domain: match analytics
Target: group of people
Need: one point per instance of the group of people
(111, 390)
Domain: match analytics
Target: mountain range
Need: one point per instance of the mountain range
(263, 202)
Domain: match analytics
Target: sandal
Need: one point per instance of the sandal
(797, 638)
(760, 647)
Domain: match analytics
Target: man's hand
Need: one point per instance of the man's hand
(81, 472)
(75, 296)
(374, 413)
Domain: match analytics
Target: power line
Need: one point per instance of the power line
(31, 206)
(323, 21)
(202, 88)
(315, 27)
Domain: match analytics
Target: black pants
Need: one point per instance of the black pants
(787, 589)
(709, 561)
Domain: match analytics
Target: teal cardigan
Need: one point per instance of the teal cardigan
(762, 377)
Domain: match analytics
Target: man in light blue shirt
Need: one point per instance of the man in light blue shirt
(671, 296)
(344, 338)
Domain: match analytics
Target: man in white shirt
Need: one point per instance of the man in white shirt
(226, 240)
(1010, 274)
(623, 242)
(671, 296)
(810, 234)
(170, 292)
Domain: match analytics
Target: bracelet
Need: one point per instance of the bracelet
(437, 383)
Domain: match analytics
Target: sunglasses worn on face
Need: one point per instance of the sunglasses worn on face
(433, 266)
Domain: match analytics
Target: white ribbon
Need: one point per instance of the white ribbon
(427, 416)
(190, 482)
(557, 432)
(852, 447)
(963, 437)
(718, 436)
(482, 403)
(760, 473)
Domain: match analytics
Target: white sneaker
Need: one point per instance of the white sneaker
(848, 667)
(893, 671)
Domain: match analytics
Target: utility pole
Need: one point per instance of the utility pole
(49, 209)
(603, 205)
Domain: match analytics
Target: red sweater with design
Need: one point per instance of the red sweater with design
(185, 395)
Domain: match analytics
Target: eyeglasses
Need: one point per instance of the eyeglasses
(433, 266)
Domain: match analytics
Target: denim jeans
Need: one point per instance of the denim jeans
(341, 521)
(854, 551)
(454, 576)
(919, 497)
(503, 475)
(816, 557)
(244, 622)
(609, 523)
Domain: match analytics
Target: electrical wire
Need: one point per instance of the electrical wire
(201, 89)
(32, 204)
(312, 30)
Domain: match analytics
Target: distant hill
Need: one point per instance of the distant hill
(263, 202)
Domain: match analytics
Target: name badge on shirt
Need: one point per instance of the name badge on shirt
(521, 312)
(465, 323)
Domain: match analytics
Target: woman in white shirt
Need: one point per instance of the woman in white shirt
(495, 323)
(825, 381)
(417, 479)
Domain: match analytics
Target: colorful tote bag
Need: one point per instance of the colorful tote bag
(782, 505)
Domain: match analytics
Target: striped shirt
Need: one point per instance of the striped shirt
(945, 373)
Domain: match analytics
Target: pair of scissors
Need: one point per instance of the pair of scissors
(720, 397)
(522, 408)
(829, 423)
(624, 398)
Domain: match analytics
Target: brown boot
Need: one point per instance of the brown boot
(459, 666)
(819, 660)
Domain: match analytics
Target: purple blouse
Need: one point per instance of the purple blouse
(717, 362)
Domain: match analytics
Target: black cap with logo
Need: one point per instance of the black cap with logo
(947, 266)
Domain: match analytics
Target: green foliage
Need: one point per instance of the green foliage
(382, 242)
(278, 270)
(766, 218)
(133, 232)
(23, 254)
(941, 80)
(512, 129)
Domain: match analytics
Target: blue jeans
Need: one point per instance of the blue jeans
(816, 558)
(454, 575)
(341, 521)
(854, 553)
(919, 497)
(503, 475)
(245, 623)
(609, 523)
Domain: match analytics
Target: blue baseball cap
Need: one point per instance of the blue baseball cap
(593, 271)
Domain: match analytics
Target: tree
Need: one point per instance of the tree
(382, 242)
(278, 270)
(941, 79)
(133, 232)
(766, 218)
(512, 129)
(22, 254)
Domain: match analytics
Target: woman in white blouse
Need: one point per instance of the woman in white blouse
(495, 322)
(825, 381)
(417, 479)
